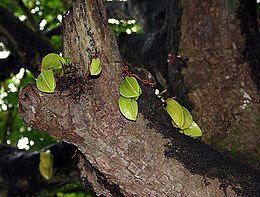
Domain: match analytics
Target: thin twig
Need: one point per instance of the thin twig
(144, 81)
(28, 14)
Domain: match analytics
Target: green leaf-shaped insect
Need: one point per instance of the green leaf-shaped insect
(128, 107)
(46, 82)
(130, 88)
(54, 62)
(46, 164)
(181, 117)
(95, 67)
(193, 130)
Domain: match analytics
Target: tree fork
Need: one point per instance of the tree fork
(146, 157)
(221, 47)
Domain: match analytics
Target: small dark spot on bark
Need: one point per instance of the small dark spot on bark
(223, 186)
(102, 180)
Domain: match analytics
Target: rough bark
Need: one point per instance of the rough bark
(19, 172)
(29, 47)
(120, 157)
(219, 82)
(247, 14)
(184, 78)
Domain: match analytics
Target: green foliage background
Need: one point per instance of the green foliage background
(51, 11)
(46, 14)
(12, 128)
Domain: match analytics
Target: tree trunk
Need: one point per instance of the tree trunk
(120, 157)
(220, 79)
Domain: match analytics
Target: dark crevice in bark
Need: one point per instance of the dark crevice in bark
(195, 155)
(86, 166)
(146, 51)
(88, 187)
(173, 25)
(101, 179)
(150, 51)
(113, 188)
(176, 63)
(198, 157)
(247, 14)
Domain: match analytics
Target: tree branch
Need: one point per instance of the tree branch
(26, 45)
(28, 14)
(8, 66)
(118, 10)
(54, 31)
(141, 50)
(19, 172)
(146, 157)
(149, 14)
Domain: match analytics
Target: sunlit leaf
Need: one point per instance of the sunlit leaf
(193, 130)
(46, 164)
(130, 88)
(179, 114)
(46, 82)
(128, 107)
(95, 67)
(53, 62)
(187, 118)
(174, 124)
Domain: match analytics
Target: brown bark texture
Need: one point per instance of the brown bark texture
(219, 78)
(120, 157)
